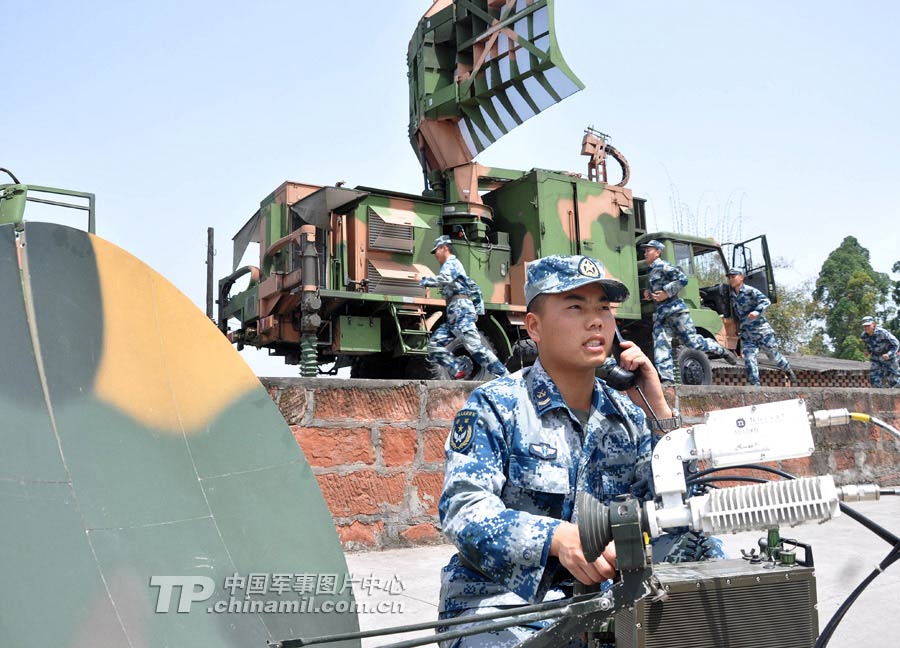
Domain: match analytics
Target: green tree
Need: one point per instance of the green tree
(847, 289)
(797, 319)
(893, 323)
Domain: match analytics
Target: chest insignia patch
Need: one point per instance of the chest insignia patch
(462, 430)
(542, 450)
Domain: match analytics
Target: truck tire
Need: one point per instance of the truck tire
(524, 353)
(694, 367)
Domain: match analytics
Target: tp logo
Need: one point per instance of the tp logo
(188, 592)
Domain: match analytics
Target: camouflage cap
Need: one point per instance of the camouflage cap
(734, 271)
(868, 320)
(443, 239)
(654, 244)
(557, 274)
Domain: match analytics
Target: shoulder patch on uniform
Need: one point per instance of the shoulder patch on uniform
(542, 396)
(462, 430)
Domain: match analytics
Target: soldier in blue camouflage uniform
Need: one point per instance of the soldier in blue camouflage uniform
(523, 445)
(672, 317)
(464, 304)
(882, 346)
(755, 330)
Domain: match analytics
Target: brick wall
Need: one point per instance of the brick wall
(376, 447)
(736, 377)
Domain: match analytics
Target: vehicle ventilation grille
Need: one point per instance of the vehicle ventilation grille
(388, 236)
(381, 285)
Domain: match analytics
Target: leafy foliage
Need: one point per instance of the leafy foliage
(893, 323)
(797, 320)
(847, 289)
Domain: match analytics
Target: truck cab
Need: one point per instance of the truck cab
(705, 262)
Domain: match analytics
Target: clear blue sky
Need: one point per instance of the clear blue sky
(779, 116)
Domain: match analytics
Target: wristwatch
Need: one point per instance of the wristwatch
(666, 424)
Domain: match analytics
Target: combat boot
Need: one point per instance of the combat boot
(792, 376)
(463, 368)
(729, 357)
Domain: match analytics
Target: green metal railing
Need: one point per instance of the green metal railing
(14, 196)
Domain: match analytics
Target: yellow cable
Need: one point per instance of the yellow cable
(856, 416)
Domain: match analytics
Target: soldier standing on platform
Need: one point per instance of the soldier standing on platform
(672, 316)
(755, 330)
(882, 346)
(464, 304)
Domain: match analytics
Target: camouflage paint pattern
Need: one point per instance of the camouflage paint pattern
(137, 443)
(478, 69)
(369, 260)
(475, 70)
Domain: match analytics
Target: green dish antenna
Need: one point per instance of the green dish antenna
(478, 69)
(152, 495)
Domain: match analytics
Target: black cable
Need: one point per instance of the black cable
(872, 526)
(884, 534)
(768, 469)
(10, 174)
(647, 403)
(725, 478)
(832, 625)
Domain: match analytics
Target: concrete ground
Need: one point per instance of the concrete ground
(845, 552)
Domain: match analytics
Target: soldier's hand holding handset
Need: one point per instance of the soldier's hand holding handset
(633, 359)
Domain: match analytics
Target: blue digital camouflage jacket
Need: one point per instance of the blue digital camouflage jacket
(446, 278)
(453, 281)
(746, 300)
(880, 342)
(516, 455)
(670, 279)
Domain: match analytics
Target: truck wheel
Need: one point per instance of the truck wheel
(477, 372)
(693, 367)
(524, 353)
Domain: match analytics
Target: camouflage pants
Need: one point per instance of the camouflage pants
(461, 324)
(884, 373)
(754, 340)
(669, 326)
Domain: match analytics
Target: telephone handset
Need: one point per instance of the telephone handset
(616, 376)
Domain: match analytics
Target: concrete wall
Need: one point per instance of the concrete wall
(376, 447)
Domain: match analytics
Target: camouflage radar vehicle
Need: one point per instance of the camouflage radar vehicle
(337, 278)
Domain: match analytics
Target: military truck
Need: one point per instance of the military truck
(337, 285)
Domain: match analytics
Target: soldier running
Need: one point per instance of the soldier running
(882, 346)
(464, 304)
(672, 316)
(755, 330)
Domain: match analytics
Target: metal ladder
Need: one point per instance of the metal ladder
(412, 329)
